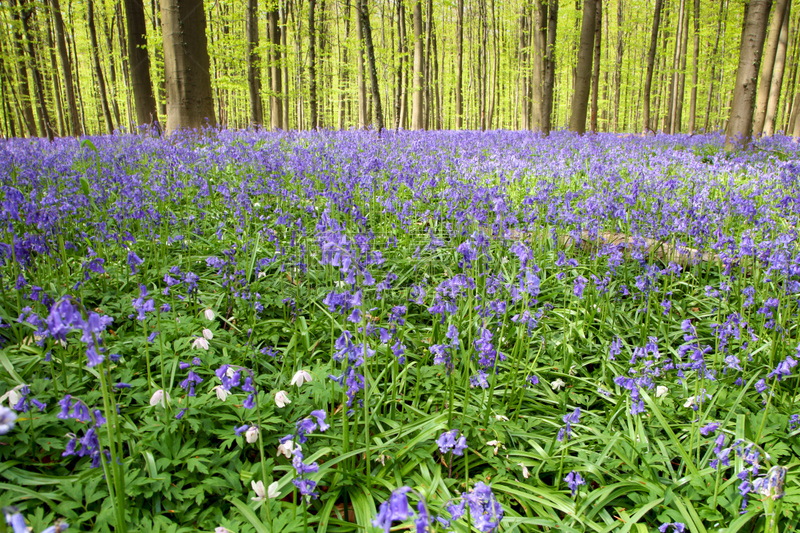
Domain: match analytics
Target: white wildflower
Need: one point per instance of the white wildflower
(300, 377)
(282, 399)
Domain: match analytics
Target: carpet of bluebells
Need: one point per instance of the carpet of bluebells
(454, 331)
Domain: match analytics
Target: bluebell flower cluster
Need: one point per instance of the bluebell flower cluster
(453, 441)
(485, 511)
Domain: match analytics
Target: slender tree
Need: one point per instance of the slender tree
(253, 65)
(459, 65)
(778, 69)
(417, 111)
(695, 65)
(66, 67)
(767, 64)
(45, 125)
(580, 95)
(598, 33)
(312, 62)
(139, 64)
(98, 69)
(740, 123)
(651, 60)
(190, 102)
(549, 66)
(373, 73)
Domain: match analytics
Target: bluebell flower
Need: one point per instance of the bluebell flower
(574, 480)
(709, 429)
(7, 419)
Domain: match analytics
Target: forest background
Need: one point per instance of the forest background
(81, 66)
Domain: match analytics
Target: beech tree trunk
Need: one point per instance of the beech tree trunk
(417, 112)
(583, 74)
(722, 14)
(362, 75)
(777, 74)
(693, 98)
(677, 122)
(276, 79)
(373, 73)
(459, 66)
(25, 103)
(618, 69)
(549, 67)
(56, 82)
(312, 62)
(190, 103)
(41, 109)
(740, 125)
(767, 64)
(66, 68)
(253, 65)
(98, 70)
(598, 34)
(651, 60)
(139, 62)
(345, 75)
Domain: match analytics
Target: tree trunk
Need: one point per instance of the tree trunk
(598, 33)
(777, 73)
(373, 73)
(190, 103)
(618, 69)
(253, 65)
(345, 75)
(677, 121)
(651, 60)
(139, 61)
(41, 108)
(459, 66)
(417, 113)
(312, 62)
(362, 75)
(549, 67)
(583, 75)
(693, 97)
(767, 64)
(56, 82)
(722, 12)
(98, 70)
(276, 80)
(669, 124)
(26, 104)
(66, 68)
(112, 69)
(740, 124)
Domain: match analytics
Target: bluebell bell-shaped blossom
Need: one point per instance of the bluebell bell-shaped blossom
(134, 261)
(677, 527)
(7, 419)
(141, 305)
(709, 429)
(574, 480)
(784, 369)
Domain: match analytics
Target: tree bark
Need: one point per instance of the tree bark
(276, 79)
(417, 112)
(112, 69)
(373, 73)
(253, 65)
(778, 69)
(767, 64)
(139, 62)
(598, 34)
(669, 124)
(98, 70)
(677, 121)
(312, 62)
(618, 69)
(25, 103)
(362, 74)
(66, 68)
(44, 119)
(345, 75)
(693, 97)
(56, 82)
(190, 103)
(740, 124)
(549, 67)
(651, 60)
(722, 13)
(583, 75)
(459, 66)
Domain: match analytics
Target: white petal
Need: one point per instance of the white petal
(661, 391)
(272, 490)
(201, 343)
(159, 397)
(282, 399)
(258, 488)
(300, 377)
(208, 334)
(222, 394)
(251, 435)
(209, 314)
